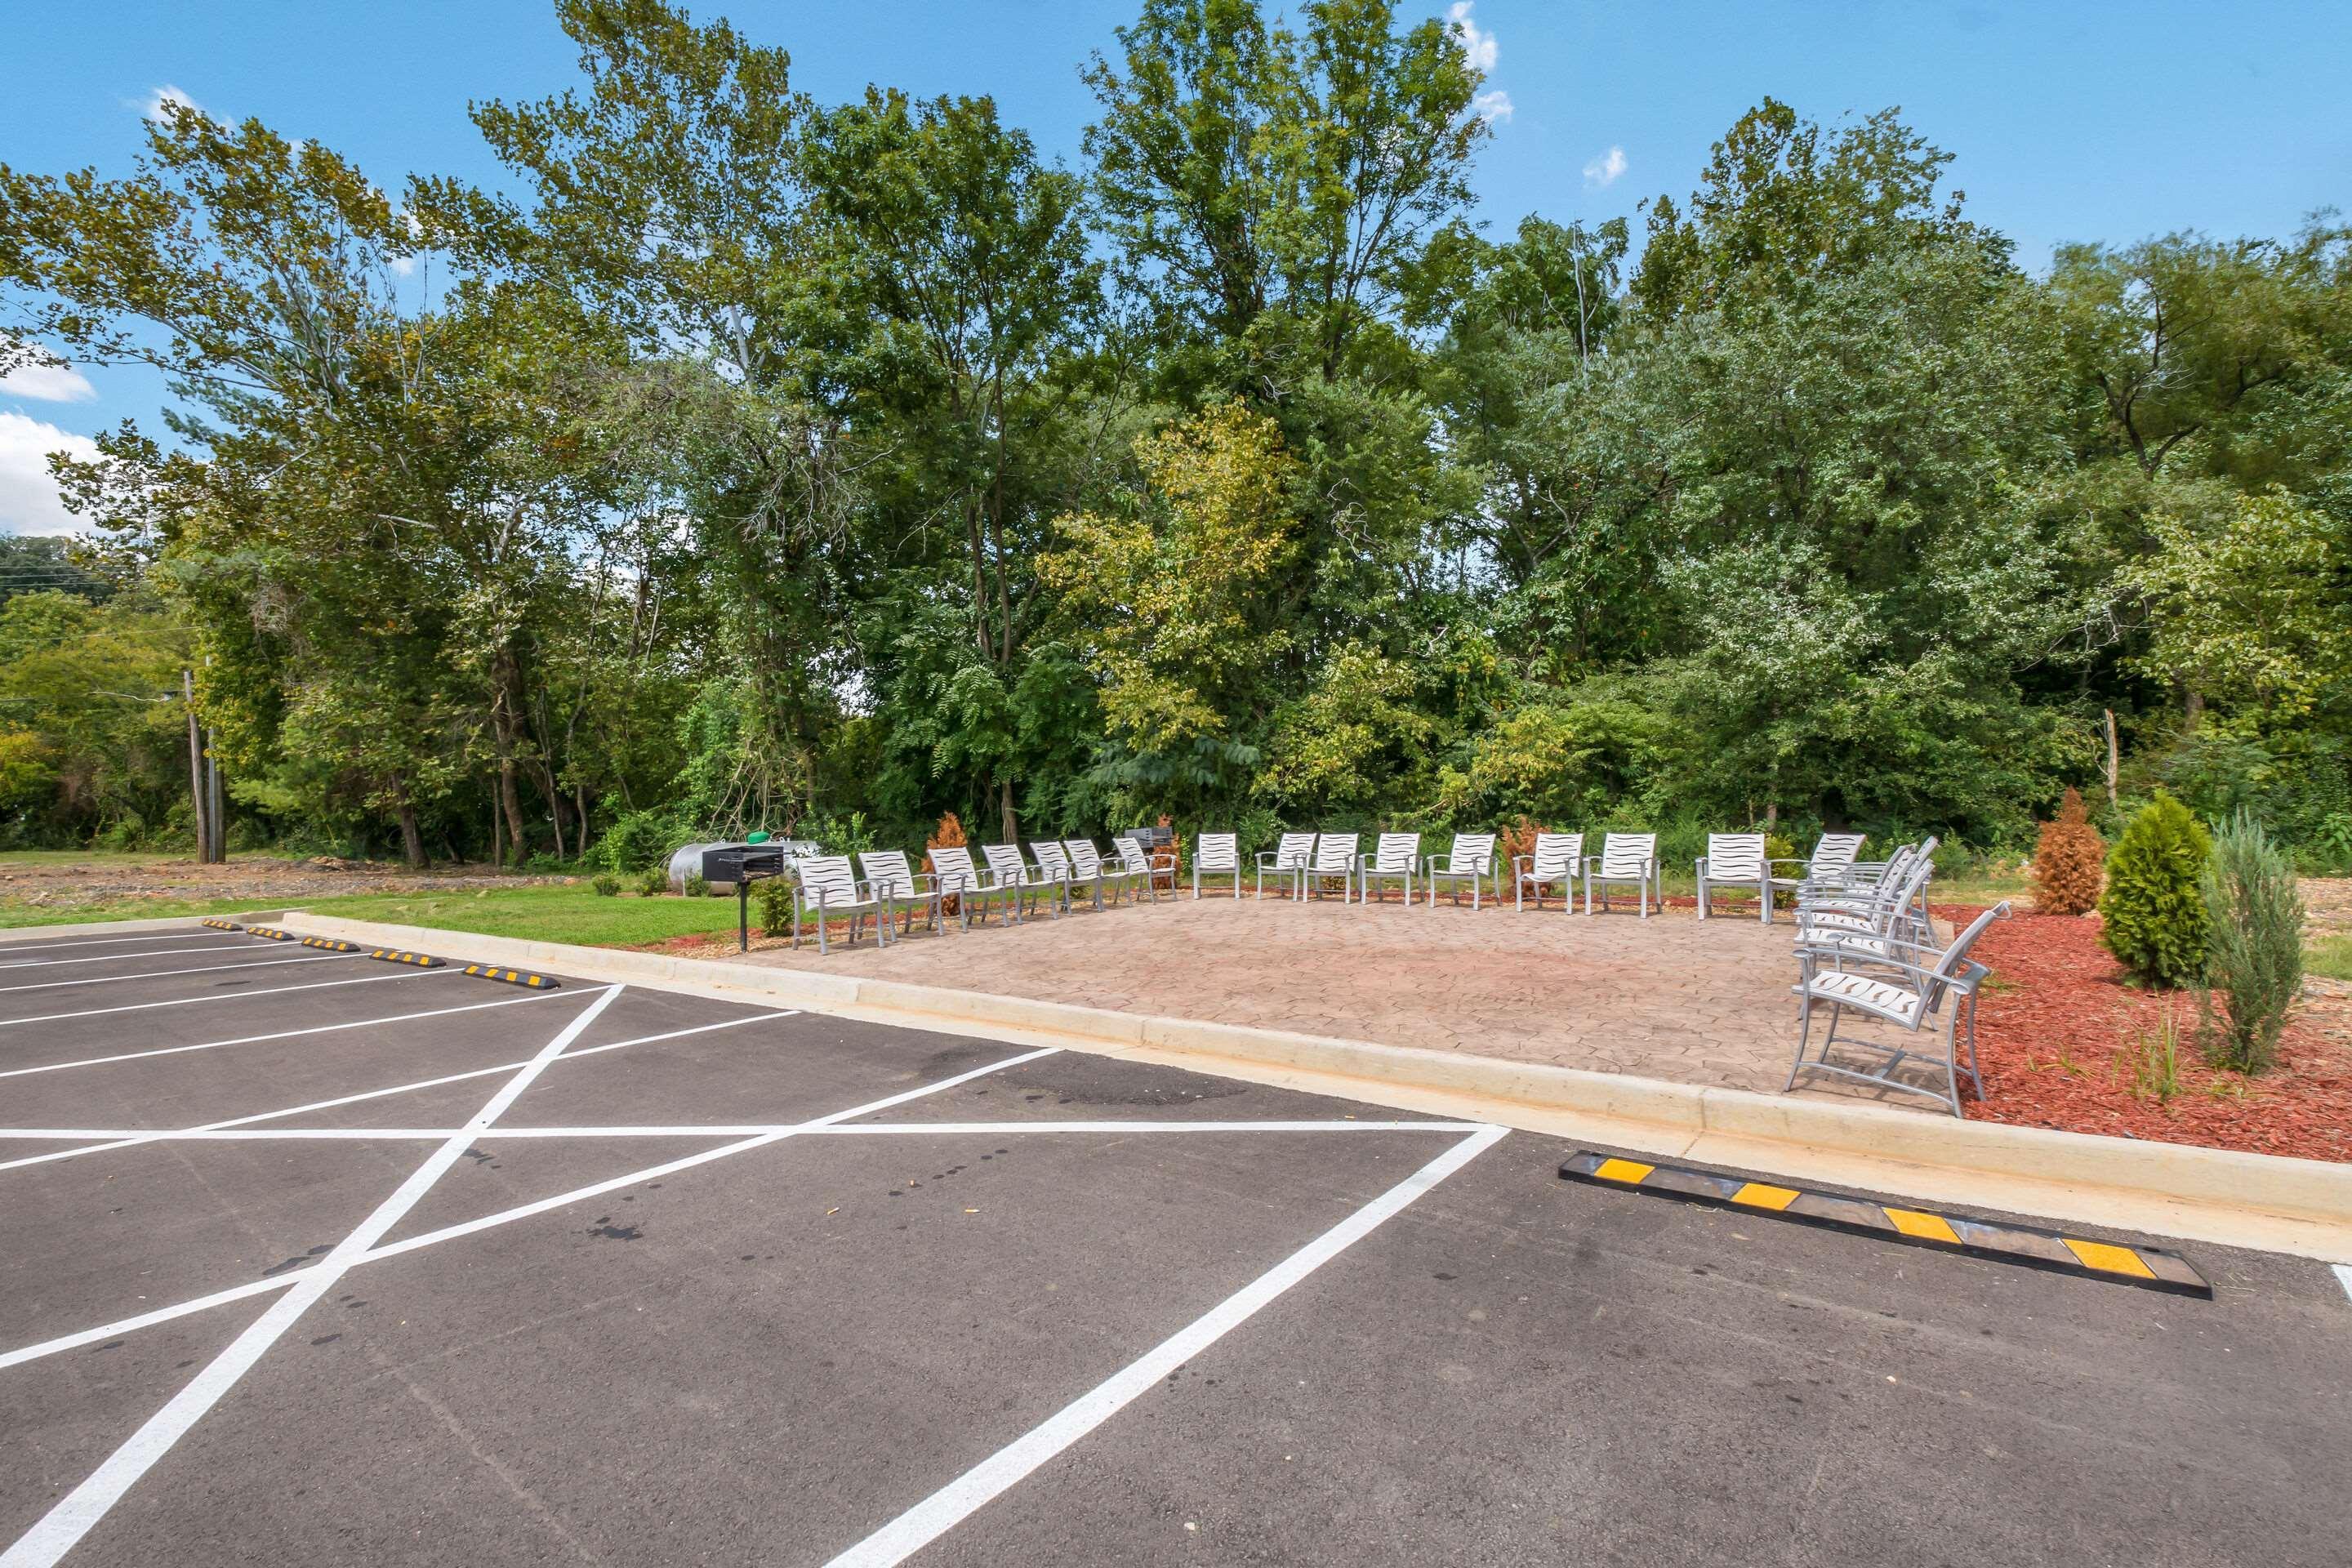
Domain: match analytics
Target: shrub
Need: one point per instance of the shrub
(607, 885)
(2154, 915)
(2254, 946)
(948, 835)
(2151, 1062)
(838, 834)
(696, 888)
(653, 882)
(774, 895)
(2069, 861)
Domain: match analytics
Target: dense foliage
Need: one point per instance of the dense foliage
(752, 461)
(2153, 914)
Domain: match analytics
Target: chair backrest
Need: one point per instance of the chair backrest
(1833, 852)
(1335, 852)
(952, 863)
(1472, 851)
(1628, 854)
(1053, 861)
(1396, 854)
(1957, 954)
(1136, 858)
(1735, 857)
(1556, 855)
(1294, 851)
(1085, 859)
(887, 872)
(1004, 859)
(1216, 852)
(830, 876)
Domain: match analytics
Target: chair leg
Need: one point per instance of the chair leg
(1804, 1037)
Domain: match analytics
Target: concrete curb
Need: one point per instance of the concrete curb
(2262, 1201)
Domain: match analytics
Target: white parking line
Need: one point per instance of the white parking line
(951, 1504)
(73, 1516)
(167, 973)
(119, 957)
(283, 1035)
(233, 1132)
(218, 997)
(7, 947)
(449, 1233)
(126, 1138)
(2344, 1276)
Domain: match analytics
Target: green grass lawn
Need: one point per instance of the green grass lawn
(2331, 956)
(16, 916)
(571, 913)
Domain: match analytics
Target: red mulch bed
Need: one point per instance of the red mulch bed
(2054, 1026)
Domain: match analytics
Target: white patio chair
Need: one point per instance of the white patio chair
(1625, 859)
(1087, 868)
(901, 886)
(956, 877)
(1006, 865)
(1735, 860)
(1558, 857)
(1216, 855)
(1915, 987)
(828, 887)
(1335, 856)
(1832, 858)
(1288, 858)
(1471, 861)
(1392, 861)
(1053, 866)
(1899, 910)
(1135, 865)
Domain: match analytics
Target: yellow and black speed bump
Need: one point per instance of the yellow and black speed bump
(272, 932)
(221, 925)
(332, 944)
(2150, 1267)
(512, 976)
(394, 955)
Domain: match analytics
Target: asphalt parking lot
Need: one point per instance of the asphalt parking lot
(310, 1258)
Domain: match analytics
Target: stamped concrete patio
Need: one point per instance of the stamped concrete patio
(1670, 997)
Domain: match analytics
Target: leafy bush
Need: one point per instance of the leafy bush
(2254, 952)
(640, 840)
(2154, 914)
(1953, 859)
(2069, 861)
(850, 835)
(653, 882)
(774, 897)
(696, 888)
(607, 885)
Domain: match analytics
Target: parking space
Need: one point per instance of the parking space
(443, 1270)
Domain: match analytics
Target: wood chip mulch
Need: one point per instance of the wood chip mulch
(2056, 1024)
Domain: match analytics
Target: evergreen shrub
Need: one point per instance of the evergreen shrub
(2254, 952)
(2153, 911)
(2068, 862)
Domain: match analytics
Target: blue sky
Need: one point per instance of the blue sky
(2070, 120)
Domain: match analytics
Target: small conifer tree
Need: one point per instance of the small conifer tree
(2069, 861)
(2153, 910)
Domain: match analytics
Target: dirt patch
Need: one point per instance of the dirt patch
(2057, 1026)
(66, 887)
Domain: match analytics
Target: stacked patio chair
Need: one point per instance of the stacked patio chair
(1135, 865)
(1053, 866)
(1626, 859)
(1894, 903)
(1287, 859)
(900, 887)
(1216, 855)
(1005, 864)
(1471, 861)
(826, 888)
(1392, 861)
(1833, 859)
(1558, 857)
(1335, 857)
(955, 877)
(1914, 987)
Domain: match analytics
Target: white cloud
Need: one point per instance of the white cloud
(28, 496)
(48, 384)
(1493, 107)
(404, 265)
(1477, 44)
(165, 94)
(1603, 171)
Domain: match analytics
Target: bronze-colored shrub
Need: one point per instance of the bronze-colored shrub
(948, 835)
(2070, 861)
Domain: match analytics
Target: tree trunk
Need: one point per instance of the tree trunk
(197, 768)
(2113, 754)
(1012, 827)
(412, 841)
(216, 801)
(503, 726)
